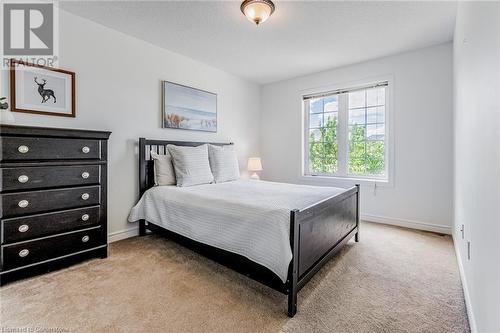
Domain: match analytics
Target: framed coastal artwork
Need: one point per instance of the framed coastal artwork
(188, 108)
(41, 90)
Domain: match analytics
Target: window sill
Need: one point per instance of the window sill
(345, 181)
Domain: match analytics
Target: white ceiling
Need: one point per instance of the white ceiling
(301, 37)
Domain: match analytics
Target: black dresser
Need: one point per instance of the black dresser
(52, 198)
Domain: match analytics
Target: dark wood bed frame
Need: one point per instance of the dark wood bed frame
(317, 232)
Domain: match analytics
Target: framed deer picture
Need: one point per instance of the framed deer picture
(188, 108)
(41, 90)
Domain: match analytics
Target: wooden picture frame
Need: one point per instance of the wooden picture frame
(24, 99)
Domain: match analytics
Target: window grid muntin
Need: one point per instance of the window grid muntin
(321, 143)
(381, 131)
(365, 140)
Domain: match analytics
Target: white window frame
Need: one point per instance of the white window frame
(342, 177)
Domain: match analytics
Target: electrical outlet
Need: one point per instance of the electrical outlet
(462, 230)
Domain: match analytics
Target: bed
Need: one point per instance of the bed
(278, 234)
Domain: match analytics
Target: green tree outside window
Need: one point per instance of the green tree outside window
(366, 157)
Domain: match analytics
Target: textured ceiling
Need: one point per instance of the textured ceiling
(301, 37)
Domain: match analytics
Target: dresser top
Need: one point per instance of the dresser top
(15, 130)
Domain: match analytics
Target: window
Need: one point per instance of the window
(346, 133)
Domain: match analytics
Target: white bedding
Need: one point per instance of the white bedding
(250, 218)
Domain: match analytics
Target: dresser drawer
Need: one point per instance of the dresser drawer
(25, 253)
(22, 228)
(24, 178)
(26, 148)
(14, 204)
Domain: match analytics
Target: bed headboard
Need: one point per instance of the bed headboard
(146, 172)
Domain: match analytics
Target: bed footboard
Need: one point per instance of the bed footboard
(316, 234)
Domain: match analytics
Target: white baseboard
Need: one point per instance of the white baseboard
(407, 223)
(122, 234)
(468, 304)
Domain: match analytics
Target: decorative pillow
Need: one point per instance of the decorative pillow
(224, 163)
(191, 165)
(163, 168)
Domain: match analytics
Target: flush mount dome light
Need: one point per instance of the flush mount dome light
(257, 11)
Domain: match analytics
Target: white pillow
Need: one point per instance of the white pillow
(191, 165)
(224, 163)
(163, 168)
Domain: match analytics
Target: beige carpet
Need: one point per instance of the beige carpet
(394, 280)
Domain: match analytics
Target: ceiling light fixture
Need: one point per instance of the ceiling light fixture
(257, 11)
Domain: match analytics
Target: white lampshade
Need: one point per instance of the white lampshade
(254, 164)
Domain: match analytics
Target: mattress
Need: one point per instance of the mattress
(247, 217)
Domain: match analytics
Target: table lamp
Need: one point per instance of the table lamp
(254, 164)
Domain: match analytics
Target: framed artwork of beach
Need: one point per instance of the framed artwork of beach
(188, 108)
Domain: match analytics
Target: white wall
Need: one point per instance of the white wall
(118, 89)
(477, 159)
(422, 121)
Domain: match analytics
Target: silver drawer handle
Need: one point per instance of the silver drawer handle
(85, 196)
(23, 203)
(24, 253)
(85, 150)
(23, 228)
(23, 149)
(85, 175)
(85, 239)
(85, 217)
(23, 178)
